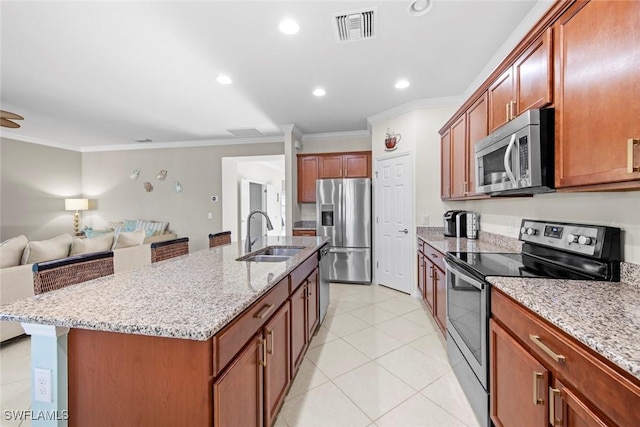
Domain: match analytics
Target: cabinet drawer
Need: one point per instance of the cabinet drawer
(420, 246)
(229, 341)
(607, 387)
(303, 271)
(435, 256)
(304, 232)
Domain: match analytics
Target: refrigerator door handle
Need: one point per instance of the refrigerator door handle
(339, 251)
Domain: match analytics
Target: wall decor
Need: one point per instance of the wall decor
(148, 187)
(162, 175)
(134, 174)
(391, 140)
(178, 187)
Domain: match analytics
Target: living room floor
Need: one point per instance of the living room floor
(377, 360)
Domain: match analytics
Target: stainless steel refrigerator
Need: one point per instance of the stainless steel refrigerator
(343, 208)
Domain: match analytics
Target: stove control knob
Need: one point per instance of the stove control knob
(572, 238)
(523, 230)
(532, 231)
(584, 240)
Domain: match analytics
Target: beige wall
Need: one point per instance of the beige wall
(199, 169)
(34, 181)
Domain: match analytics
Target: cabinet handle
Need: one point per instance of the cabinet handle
(631, 143)
(434, 256)
(553, 393)
(431, 271)
(263, 344)
(538, 341)
(263, 312)
(506, 109)
(512, 109)
(536, 399)
(466, 187)
(270, 334)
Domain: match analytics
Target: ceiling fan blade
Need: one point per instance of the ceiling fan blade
(10, 115)
(8, 123)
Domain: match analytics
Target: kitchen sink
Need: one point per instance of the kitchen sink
(272, 254)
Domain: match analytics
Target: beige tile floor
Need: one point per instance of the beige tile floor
(378, 360)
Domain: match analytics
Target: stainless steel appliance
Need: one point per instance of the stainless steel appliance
(473, 225)
(518, 157)
(453, 224)
(325, 266)
(343, 208)
(551, 249)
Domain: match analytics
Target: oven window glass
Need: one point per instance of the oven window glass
(464, 302)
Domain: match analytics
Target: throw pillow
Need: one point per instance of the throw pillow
(130, 225)
(47, 250)
(90, 233)
(129, 238)
(117, 226)
(87, 246)
(11, 251)
(152, 228)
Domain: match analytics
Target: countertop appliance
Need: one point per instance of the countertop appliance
(325, 266)
(343, 208)
(454, 225)
(550, 249)
(518, 157)
(473, 225)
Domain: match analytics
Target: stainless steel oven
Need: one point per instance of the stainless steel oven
(550, 249)
(518, 157)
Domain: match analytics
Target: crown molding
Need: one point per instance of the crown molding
(187, 144)
(30, 140)
(333, 135)
(291, 127)
(418, 104)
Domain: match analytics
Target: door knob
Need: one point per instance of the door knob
(405, 231)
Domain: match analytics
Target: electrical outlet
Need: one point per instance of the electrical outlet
(425, 219)
(42, 385)
(210, 215)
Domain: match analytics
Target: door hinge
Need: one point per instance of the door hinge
(376, 174)
(377, 264)
(377, 220)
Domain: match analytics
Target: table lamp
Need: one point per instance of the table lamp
(76, 205)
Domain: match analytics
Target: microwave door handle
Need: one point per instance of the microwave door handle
(507, 161)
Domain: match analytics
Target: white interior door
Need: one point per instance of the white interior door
(245, 203)
(394, 218)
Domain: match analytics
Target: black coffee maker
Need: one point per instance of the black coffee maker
(455, 223)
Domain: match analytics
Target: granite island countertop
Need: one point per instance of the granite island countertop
(188, 297)
(605, 316)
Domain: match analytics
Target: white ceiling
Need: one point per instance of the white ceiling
(88, 74)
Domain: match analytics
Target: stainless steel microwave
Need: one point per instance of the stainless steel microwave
(518, 157)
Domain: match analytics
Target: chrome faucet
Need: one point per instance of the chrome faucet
(248, 242)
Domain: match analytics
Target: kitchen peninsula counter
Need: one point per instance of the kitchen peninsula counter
(189, 297)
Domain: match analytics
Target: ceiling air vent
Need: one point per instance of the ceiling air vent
(356, 25)
(245, 132)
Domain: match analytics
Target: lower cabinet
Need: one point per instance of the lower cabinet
(432, 283)
(304, 318)
(540, 376)
(277, 369)
(440, 286)
(302, 233)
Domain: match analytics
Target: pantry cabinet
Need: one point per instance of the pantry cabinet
(526, 84)
(598, 96)
(540, 376)
(329, 165)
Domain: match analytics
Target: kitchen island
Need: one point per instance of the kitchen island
(202, 339)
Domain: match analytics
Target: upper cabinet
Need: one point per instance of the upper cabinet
(598, 96)
(330, 165)
(445, 165)
(527, 84)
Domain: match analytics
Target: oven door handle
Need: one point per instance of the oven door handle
(475, 283)
(507, 161)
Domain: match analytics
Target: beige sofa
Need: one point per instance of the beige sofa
(17, 282)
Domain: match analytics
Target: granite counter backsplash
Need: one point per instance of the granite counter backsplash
(605, 316)
(487, 242)
(189, 297)
(304, 225)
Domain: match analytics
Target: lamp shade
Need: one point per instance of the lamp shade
(76, 204)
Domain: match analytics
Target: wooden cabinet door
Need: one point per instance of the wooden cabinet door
(330, 166)
(277, 372)
(307, 176)
(429, 285)
(598, 93)
(357, 165)
(533, 73)
(244, 377)
(421, 275)
(568, 410)
(500, 95)
(518, 383)
(477, 126)
(445, 165)
(298, 327)
(313, 308)
(458, 157)
(440, 285)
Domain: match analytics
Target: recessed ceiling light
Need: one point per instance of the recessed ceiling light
(223, 79)
(401, 84)
(420, 7)
(289, 27)
(319, 92)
